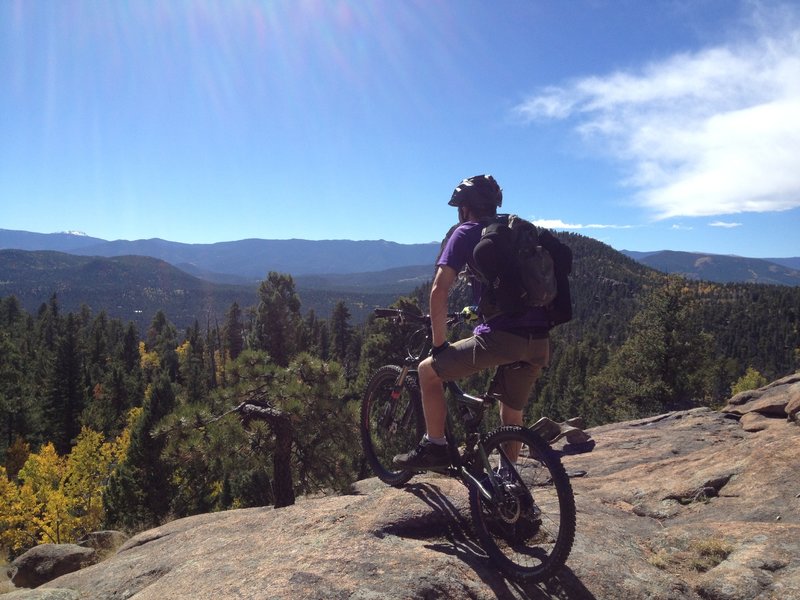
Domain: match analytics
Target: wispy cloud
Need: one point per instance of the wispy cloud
(559, 224)
(724, 224)
(707, 133)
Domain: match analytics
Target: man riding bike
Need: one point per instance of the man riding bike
(517, 343)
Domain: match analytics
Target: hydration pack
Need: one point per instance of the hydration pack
(523, 267)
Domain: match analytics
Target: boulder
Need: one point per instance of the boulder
(780, 398)
(48, 561)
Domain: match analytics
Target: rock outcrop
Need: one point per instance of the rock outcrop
(48, 561)
(758, 408)
(686, 505)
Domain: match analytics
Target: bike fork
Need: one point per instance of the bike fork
(398, 384)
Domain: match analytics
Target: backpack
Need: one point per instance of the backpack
(523, 267)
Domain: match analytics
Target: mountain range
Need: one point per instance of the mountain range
(722, 268)
(243, 261)
(334, 264)
(133, 279)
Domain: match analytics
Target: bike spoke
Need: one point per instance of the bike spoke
(528, 526)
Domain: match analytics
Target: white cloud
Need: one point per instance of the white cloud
(559, 224)
(724, 224)
(712, 132)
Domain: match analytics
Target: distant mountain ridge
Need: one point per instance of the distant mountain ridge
(721, 268)
(357, 266)
(240, 261)
(133, 288)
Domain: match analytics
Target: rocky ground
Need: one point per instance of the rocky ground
(691, 505)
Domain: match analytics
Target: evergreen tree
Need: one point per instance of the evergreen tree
(665, 363)
(130, 350)
(12, 374)
(162, 338)
(67, 398)
(192, 366)
(277, 317)
(233, 332)
(341, 331)
(139, 491)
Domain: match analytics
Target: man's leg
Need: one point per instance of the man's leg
(510, 416)
(514, 382)
(433, 401)
(432, 450)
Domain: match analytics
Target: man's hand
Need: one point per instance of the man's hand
(469, 314)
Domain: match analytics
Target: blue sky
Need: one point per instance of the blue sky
(659, 124)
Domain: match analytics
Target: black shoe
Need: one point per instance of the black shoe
(425, 456)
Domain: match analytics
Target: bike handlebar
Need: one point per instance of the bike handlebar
(404, 315)
(397, 313)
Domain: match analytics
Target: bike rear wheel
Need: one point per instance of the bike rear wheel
(391, 422)
(528, 528)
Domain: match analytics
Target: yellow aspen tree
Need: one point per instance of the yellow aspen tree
(87, 470)
(17, 507)
(41, 478)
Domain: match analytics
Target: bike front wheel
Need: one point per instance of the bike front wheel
(528, 526)
(391, 422)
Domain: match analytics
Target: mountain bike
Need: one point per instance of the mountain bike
(523, 511)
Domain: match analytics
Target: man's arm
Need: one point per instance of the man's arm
(442, 282)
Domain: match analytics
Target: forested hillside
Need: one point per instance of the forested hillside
(103, 423)
(135, 288)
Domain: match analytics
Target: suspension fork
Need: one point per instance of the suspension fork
(399, 383)
(397, 390)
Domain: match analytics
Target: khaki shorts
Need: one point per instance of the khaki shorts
(519, 361)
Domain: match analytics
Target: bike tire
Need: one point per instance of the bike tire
(528, 541)
(390, 426)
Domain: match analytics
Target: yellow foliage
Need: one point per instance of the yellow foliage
(120, 446)
(59, 499)
(220, 360)
(148, 360)
(43, 472)
(17, 504)
(183, 349)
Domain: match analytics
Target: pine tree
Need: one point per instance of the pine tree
(341, 331)
(233, 332)
(162, 338)
(665, 363)
(139, 492)
(66, 398)
(277, 318)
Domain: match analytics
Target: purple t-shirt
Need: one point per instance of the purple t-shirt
(457, 253)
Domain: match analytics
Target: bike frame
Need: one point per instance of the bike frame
(471, 410)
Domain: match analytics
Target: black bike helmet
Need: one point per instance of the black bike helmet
(480, 190)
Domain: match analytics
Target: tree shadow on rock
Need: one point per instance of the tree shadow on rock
(461, 543)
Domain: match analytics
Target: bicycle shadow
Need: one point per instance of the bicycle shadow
(462, 544)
